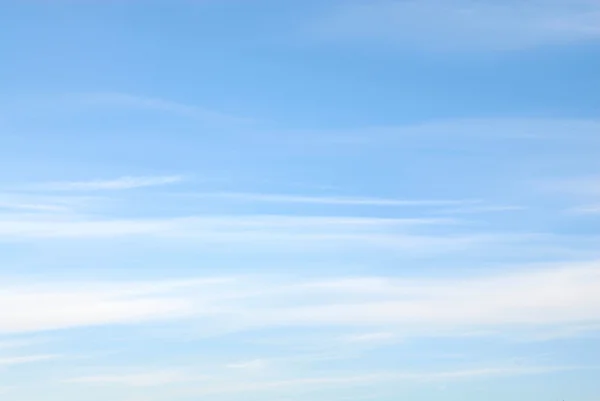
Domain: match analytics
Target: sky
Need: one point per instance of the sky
(290, 200)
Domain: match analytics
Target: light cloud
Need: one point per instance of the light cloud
(377, 337)
(254, 365)
(584, 190)
(10, 344)
(268, 230)
(464, 25)
(380, 377)
(120, 101)
(116, 99)
(18, 360)
(557, 296)
(127, 182)
(588, 209)
(546, 297)
(580, 186)
(449, 131)
(12, 202)
(332, 200)
(33, 207)
(36, 308)
(146, 379)
(482, 209)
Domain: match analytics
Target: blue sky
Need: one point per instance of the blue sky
(327, 200)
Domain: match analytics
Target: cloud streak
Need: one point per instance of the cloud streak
(147, 379)
(464, 25)
(268, 230)
(40, 308)
(378, 378)
(557, 296)
(127, 182)
(103, 102)
(331, 200)
(18, 360)
(125, 100)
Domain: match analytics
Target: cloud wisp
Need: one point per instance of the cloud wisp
(462, 25)
(240, 386)
(110, 102)
(473, 130)
(130, 101)
(332, 200)
(121, 183)
(18, 360)
(144, 379)
(564, 296)
(292, 230)
(75, 306)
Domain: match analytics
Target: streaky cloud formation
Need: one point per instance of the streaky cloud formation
(376, 378)
(324, 200)
(127, 182)
(25, 359)
(556, 295)
(313, 200)
(464, 25)
(150, 379)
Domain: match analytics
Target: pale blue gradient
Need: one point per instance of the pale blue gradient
(329, 200)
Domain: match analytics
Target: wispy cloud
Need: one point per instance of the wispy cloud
(18, 360)
(15, 202)
(145, 379)
(38, 308)
(584, 191)
(482, 209)
(464, 25)
(118, 101)
(564, 297)
(447, 132)
(254, 365)
(249, 229)
(10, 344)
(369, 338)
(127, 182)
(380, 377)
(331, 200)
(579, 186)
(587, 209)
(33, 207)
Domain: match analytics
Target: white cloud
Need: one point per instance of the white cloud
(377, 337)
(481, 209)
(33, 207)
(125, 100)
(10, 344)
(583, 189)
(268, 230)
(377, 378)
(127, 182)
(588, 209)
(254, 365)
(448, 131)
(100, 102)
(28, 202)
(326, 200)
(564, 297)
(45, 307)
(18, 360)
(221, 384)
(463, 24)
(549, 297)
(582, 186)
(146, 379)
